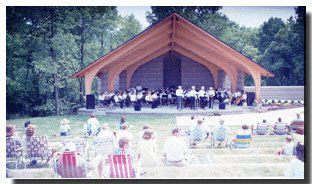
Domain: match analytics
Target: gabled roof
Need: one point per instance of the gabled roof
(174, 33)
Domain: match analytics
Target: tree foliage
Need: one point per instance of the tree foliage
(45, 45)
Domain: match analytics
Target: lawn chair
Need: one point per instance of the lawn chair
(37, 148)
(243, 141)
(68, 166)
(81, 147)
(220, 135)
(103, 146)
(13, 151)
(280, 129)
(297, 126)
(197, 135)
(262, 129)
(121, 166)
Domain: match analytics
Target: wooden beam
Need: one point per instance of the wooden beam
(138, 40)
(222, 46)
(173, 33)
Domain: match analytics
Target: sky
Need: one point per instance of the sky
(243, 15)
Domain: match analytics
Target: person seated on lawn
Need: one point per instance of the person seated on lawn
(220, 134)
(295, 168)
(124, 132)
(198, 133)
(297, 123)
(92, 128)
(124, 149)
(280, 127)
(122, 121)
(12, 133)
(262, 128)
(242, 138)
(145, 127)
(287, 148)
(105, 132)
(70, 164)
(26, 124)
(174, 152)
(29, 133)
(65, 128)
(147, 150)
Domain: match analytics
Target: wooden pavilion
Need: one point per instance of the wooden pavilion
(174, 34)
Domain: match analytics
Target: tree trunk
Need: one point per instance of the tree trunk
(81, 61)
(54, 61)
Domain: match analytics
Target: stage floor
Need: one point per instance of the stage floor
(230, 109)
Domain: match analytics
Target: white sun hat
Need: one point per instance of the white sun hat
(65, 121)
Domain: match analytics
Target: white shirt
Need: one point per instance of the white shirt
(174, 149)
(148, 98)
(288, 148)
(154, 96)
(179, 92)
(211, 93)
(295, 169)
(244, 96)
(94, 124)
(139, 96)
(64, 128)
(102, 97)
(132, 97)
(124, 96)
(116, 99)
(148, 153)
(192, 93)
(201, 93)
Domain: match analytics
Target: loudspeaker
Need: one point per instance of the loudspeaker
(90, 101)
(251, 96)
(137, 106)
(221, 105)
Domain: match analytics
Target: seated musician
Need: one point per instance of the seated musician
(148, 98)
(164, 97)
(235, 95)
(133, 97)
(102, 99)
(154, 100)
(202, 97)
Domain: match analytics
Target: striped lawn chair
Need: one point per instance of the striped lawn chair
(262, 129)
(13, 151)
(68, 167)
(297, 126)
(37, 148)
(280, 129)
(121, 166)
(243, 141)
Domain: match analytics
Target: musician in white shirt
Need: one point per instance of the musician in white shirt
(133, 98)
(155, 100)
(179, 94)
(192, 94)
(148, 98)
(202, 97)
(210, 94)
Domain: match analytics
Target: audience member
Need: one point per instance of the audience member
(295, 168)
(65, 128)
(287, 148)
(175, 149)
(92, 128)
